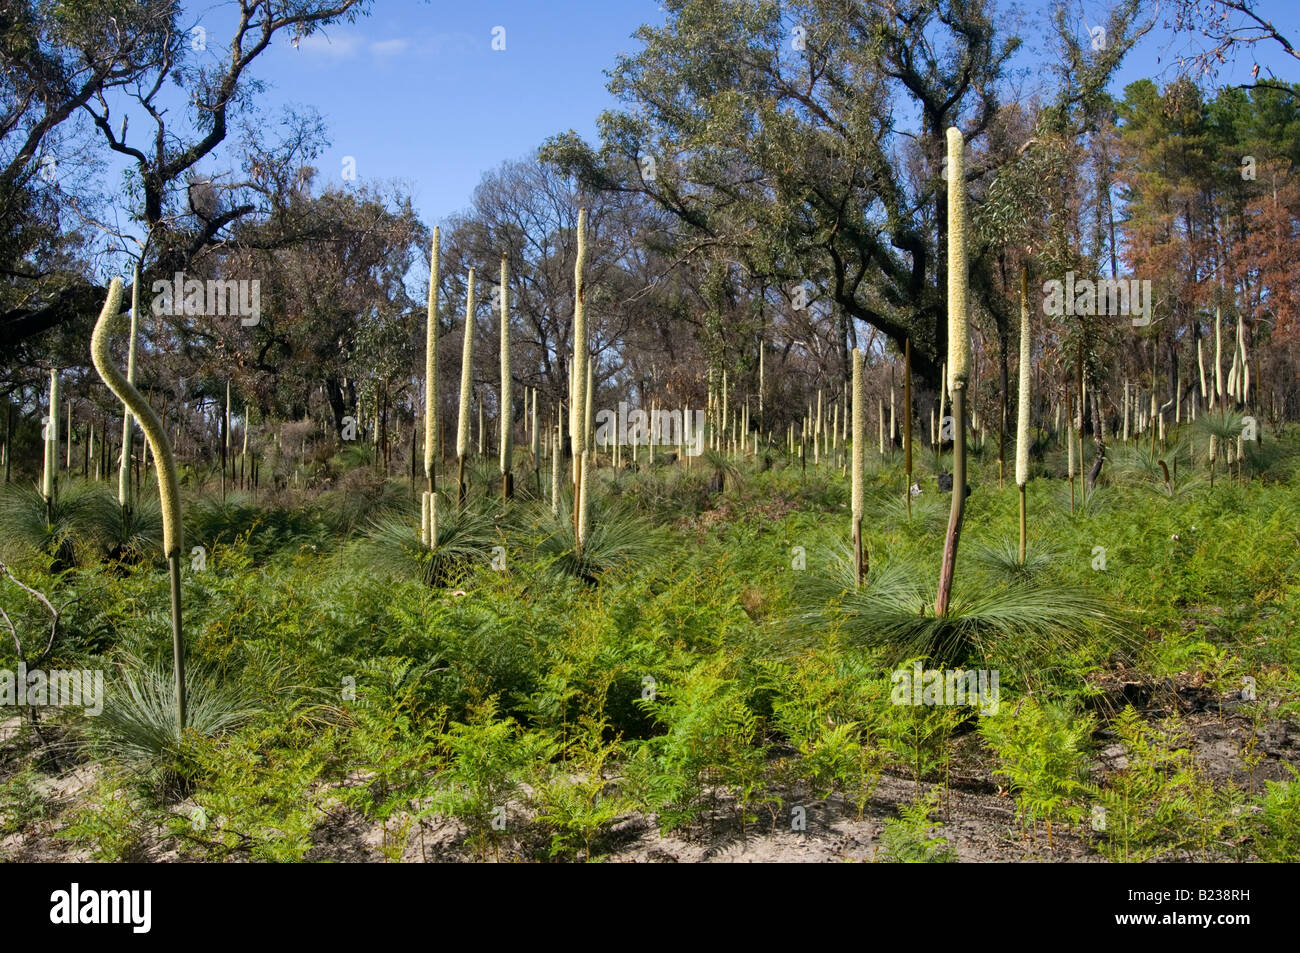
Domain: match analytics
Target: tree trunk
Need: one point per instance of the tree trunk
(1098, 435)
(338, 403)
(953, 536)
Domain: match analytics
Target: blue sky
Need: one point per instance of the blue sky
(415, 92)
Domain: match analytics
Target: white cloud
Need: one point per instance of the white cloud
(386, 48)
(342, 45)
(339, 45)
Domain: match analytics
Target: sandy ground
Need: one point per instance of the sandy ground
(977, 817)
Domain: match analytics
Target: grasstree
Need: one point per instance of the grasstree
(1243, 383)
(168, 485)
(1200, 363)
(1217, 395)
(536, 448)
(578, 396)
(1217, 400)
(225, 440)
(1022, 409)
(1069, 444)
(466, 383)
(1243, 388)
(429, 504)
(817, 431)
(506, 403)
(893, 419)
(722, 415)
(243, 453)
(124, 467)
(958, 359)
(1125, 407)
(588, 395)
(50, 467)
(859, 453)
(555, 471)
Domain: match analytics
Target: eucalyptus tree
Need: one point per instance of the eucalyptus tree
(1037, 203)
(56, 59)
(774, 132)
(1224, 28)
(118, 65)
(527, 212)
(336, 306)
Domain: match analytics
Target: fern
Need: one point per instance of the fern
(1043, 753)
(910, 838)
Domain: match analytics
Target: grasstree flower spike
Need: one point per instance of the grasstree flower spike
(466, 381)
(1243, 380)
(1200, 362)
(1126, 409)
(958, 358)
(578, 397)
(859, 452)
(168, 485)
(555, 472)
(880, 423)
(535, 447)
(51, 463)
(1022, 410)
(506, 403)
(1069, 444)
(724, 401)
(225, 440)
(893, 420)
(1218, 359)
(817, 430)
(124, 467)
(1233, 371)
(537, 439)
(431, 382)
